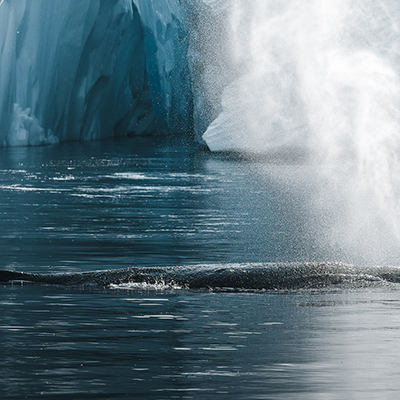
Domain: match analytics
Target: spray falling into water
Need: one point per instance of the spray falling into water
(321, 78)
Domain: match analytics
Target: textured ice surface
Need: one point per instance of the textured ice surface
(83, 70)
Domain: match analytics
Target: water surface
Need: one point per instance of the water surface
(134, 202)
(111, 204)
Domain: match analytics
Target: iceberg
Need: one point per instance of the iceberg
(84, 70)
(242, 75)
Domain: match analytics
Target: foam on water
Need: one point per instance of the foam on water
(158, 286)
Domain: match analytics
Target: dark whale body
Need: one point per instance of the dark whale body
(262, 276)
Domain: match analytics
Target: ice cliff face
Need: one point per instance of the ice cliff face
(83, 70)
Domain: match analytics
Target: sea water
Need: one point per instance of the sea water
(151, 202)
(70, 343)
(109, 204)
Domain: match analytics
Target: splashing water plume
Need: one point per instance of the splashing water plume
(322, 79)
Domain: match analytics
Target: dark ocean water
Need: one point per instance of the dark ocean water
(141, 202)
(131, 202)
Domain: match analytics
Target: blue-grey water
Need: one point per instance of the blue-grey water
(112, 204)
(130, 202)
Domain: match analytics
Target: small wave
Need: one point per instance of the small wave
(131, 175)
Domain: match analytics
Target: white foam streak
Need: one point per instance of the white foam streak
(157, 286)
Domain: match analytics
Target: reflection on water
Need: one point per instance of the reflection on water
(123, 203)
(111, 204)
(70, 343)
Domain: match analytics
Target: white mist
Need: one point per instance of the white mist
(322, 79)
